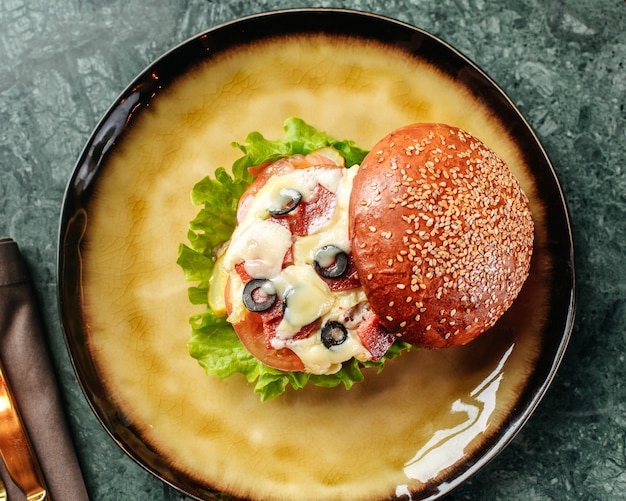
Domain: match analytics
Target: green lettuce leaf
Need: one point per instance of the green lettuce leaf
(300, 138)
(214, 343)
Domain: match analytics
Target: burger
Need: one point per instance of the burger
(338, 258)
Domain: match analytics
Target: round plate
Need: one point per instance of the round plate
(425, 424)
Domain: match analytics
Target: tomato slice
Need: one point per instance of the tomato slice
(252, 334)
(280, 167)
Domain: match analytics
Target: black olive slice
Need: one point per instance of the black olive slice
(333, 334)
(257, 296)
(286, 295)
(331, 262)
(288, 199)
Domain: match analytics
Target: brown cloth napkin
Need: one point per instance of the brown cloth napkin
(28, 369)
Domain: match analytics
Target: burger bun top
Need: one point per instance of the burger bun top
(442, 234)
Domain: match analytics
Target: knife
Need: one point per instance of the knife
(16, 450)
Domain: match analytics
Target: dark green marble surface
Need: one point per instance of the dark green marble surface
(63, 62)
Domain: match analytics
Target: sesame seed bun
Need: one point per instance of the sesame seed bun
(442, 234)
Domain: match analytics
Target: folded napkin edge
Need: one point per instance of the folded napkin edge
(12, 267)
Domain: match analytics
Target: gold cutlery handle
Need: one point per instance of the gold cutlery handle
(16, 450)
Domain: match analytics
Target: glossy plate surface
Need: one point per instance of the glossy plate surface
(431, 419)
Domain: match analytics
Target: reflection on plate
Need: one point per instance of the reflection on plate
(431, 419)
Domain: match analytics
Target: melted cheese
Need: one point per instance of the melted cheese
(307, 297)
(262, 243)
